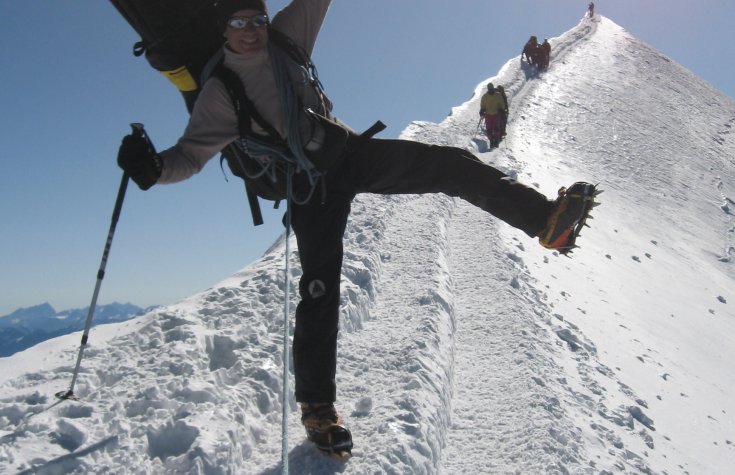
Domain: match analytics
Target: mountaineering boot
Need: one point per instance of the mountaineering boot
(568, 216)
(324, 428)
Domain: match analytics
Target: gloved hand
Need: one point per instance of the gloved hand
(139, 161)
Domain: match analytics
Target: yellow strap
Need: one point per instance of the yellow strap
(181, 78)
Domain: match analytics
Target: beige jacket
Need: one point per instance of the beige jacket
(213, 123)
(492, 104)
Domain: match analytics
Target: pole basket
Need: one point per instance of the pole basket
(66, 395)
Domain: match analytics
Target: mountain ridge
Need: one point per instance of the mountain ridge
(28, 326)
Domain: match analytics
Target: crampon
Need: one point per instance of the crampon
(335, 441)
(324, 428)
(570, 215)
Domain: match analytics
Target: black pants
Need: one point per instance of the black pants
(383, 167)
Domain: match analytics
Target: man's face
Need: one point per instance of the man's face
(247, 41)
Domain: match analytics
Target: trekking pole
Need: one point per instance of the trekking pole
(286, 324)
(140, 132)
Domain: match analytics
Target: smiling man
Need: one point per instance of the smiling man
(245, 33)
(266, 106)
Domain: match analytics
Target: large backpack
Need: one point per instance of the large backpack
(178, 38)
(182, 40)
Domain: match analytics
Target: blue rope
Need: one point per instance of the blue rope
(286, 325)
(291, 109)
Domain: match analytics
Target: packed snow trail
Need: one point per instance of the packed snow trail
(500, 400)
(505, 418)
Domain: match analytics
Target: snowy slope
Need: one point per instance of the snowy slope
(465, 347)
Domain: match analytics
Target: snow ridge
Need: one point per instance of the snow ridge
(464, 346)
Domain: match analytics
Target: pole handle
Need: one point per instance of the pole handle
(139, 131)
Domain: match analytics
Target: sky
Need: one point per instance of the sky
(465, 347)
(72, 87)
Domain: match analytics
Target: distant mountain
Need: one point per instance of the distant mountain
(26, 327)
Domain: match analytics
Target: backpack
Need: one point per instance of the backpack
(178, 38)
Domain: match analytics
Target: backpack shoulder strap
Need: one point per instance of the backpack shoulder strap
(244, 107)
(233, 155)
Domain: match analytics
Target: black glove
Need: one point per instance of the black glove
(139, 161)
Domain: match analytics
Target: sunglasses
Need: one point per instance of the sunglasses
(240, 22)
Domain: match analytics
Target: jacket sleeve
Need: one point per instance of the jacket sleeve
(301, 20)
(212, 126)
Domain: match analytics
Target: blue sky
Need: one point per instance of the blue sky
(71, 87)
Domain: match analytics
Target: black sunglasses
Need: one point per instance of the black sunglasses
(240, 22)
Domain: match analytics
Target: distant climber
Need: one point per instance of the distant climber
(530, 50)
(492, 109)
(501, 91)
(591, 9)
(544, 55)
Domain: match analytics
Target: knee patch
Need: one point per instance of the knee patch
(317, 288)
